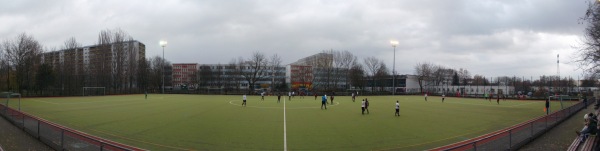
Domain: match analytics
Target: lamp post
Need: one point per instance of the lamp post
(163, 44)
(394, 43)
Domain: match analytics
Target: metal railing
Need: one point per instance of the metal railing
(59, 137)
(516, 136)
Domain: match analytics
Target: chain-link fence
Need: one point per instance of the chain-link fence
(59, 137)
(514, 137)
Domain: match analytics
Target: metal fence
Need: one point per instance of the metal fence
(59, 137)
(514, 137)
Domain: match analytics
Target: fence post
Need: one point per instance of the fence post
(38, 129)
(62, 139)
(546, 119)
(531, 136)
(475, 146)
(509, 139)
(23, 119)
(101, 146)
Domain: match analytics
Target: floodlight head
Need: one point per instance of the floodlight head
(394, 43)
(163, 43)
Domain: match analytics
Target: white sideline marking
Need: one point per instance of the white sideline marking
(495, 105)
(284, 128)
(44, 101)
(274, 107)
(129, 100)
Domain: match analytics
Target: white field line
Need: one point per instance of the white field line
(284, 128)
(45, 102)
(84, 102)
(274, 107)
(493, 104)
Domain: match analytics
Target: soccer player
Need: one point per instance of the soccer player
(443, 97)
(363, 106)
(425, 96)
(367, 105)
(289, 96)
(278, 97)
(353, 96)
(262, 96)
(315, 95)
(293, 93)
(397, 108)
(244, 103)
(146, 94)
(498, 99)
(332, 99)
(324, 102)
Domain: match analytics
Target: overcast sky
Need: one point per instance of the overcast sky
(490, 38)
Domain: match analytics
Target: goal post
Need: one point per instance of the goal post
(94, 91)
(8, 96)
(560, 99)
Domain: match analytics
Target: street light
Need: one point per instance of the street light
(163, 44)
(394, 43)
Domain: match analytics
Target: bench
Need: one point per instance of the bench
(575, 144)
(588, 145)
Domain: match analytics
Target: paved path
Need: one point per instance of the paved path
(560, 137)
(15, 139)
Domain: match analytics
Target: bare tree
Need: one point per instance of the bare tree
(342, 62)
(373, 65)
(275, 63)
(24, 54)
(143, 74)
(357, 74)
(4, 68)
(464, 75)
(382, 74)
(480, 80)
(71, 70)
(256, 69)
(157, 64)
(323, 70)
(589, 53)
(423, 72)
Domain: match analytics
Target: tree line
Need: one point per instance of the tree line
(27, 67)
(433, 75)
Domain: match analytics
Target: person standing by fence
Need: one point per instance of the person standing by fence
(547, 106)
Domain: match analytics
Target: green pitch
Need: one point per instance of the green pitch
(217, 122)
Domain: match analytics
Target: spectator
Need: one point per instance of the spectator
(590, 122)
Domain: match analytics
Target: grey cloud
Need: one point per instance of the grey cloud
(476, 35)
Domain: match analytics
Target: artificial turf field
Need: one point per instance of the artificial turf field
(219, 122)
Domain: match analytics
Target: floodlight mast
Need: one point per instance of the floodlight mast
(163, 44)
(394, 43)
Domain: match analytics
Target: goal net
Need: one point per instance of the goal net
(10, 98)
(94, 91)
(560, 98)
